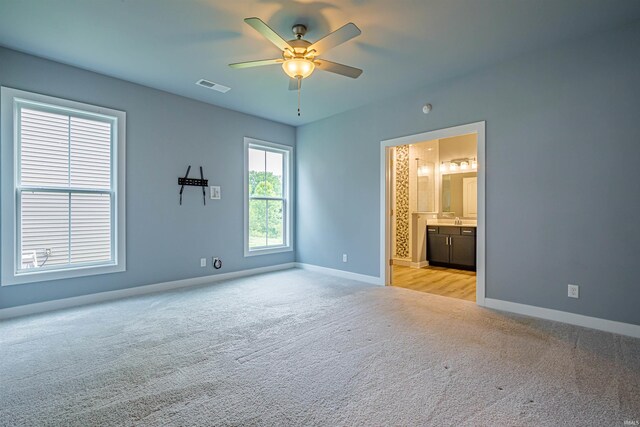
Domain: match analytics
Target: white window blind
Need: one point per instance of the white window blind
(65, 188)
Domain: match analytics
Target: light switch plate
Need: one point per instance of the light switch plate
(215, 192)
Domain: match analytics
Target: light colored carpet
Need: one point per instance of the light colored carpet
(301, 348)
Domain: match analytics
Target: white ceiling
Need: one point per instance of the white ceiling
(170, 44)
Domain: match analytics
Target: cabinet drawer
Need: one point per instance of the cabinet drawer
(450, 230)
(468, 231)
(432, 229)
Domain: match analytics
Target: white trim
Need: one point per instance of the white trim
(267, 251)
(385, 249)
(288, 180)
(59, 304)
(341, 273)
(565, 317)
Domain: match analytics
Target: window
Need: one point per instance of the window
(267, 197)
(67, 191)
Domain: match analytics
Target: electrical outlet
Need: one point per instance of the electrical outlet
(344, 257)
(203, 262)
(47, 251)
(574, 291)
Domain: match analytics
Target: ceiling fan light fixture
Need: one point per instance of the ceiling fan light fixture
(298, 67)
(299, 56)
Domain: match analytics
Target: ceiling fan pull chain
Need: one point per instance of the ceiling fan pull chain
(299, 79)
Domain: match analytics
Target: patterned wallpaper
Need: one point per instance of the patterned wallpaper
(402, 201)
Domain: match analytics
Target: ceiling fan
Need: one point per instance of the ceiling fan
(299, 56)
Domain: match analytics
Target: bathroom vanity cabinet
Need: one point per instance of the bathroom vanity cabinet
(451, 246)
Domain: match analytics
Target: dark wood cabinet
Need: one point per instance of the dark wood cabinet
(450, 246)
(463, 250)
(437, 248)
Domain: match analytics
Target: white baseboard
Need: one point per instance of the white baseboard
(42, 307)
(565, 317)
(341, 273)
(419, 264)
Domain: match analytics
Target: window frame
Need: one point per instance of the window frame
(11, 101)
(287, 199)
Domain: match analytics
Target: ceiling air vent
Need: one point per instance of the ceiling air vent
(211, 85)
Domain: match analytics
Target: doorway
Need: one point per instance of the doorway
(432, 212)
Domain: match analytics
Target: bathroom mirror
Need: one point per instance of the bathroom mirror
(459, 195)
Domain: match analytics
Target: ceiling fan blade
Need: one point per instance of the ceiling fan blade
(339, 36)
(259, 25)
(334, 67)
(256, 63)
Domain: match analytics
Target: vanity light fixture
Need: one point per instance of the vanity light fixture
(455, 165)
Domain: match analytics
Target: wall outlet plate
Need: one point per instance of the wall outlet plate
(203, 262)
(344, 258)
(215, 192)
(573, 291)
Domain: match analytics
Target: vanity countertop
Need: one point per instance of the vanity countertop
(452, 224)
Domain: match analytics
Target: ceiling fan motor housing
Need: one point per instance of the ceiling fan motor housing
(299, 49)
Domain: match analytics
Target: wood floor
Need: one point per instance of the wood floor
(447, 282)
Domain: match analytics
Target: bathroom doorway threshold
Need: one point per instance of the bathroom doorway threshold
(443, 281)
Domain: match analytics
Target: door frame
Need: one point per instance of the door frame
(385, 176)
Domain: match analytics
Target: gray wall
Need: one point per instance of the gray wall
(563, 131)
(165, 133)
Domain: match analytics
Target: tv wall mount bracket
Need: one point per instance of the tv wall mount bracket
(194, 182)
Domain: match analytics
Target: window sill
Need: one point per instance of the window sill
(43, 276)
(267, 251)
